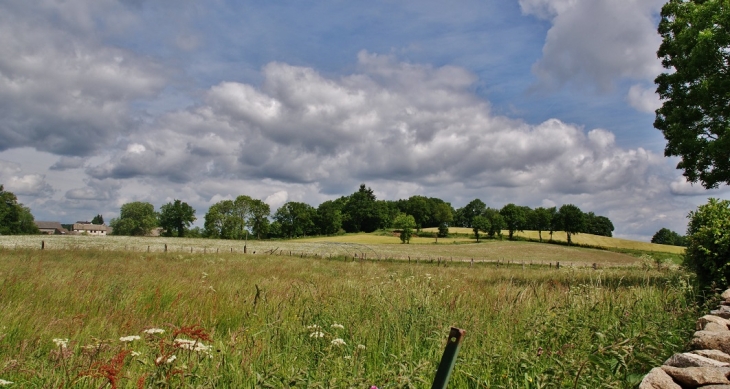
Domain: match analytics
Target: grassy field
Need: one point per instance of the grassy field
(75, 315)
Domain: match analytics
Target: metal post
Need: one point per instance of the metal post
(448, 360)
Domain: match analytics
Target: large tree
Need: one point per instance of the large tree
(405, 223)
(361, 212)
(136, 218)
(234, 219)
(514, 218)
(572, 220)
(540, 220)
(14, 217)
(176, 217)
(465, 215)
(667, 236)
(695, 113)
(296, 219)
(480, 223)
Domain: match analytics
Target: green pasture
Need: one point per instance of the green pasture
(234, 320)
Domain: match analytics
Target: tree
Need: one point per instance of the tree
(708, 244)
(540, 220)
(465, 215)
(695, 113)
(217, 224)
(667, 236)
(514, 218)
(295, 219)
(443, 214)
(598, 225)
(405, 223)
(234, 219)
(15, 218)
(258, 218)
(135, 218)
(361, 211)
(480, 223)
(98, 219)
(419, 208)
(176, 217)
(496, 222)
(571, 219)
(329, 217)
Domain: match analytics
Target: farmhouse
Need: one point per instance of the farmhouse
(91, 229)
(51, 228)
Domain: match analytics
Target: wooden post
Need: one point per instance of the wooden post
(148, 249)
(43, 245)
(165, 247)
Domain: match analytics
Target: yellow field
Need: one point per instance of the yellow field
(586, 239)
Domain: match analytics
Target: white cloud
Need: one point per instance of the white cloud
(15, 180)
(597, 42)
(643, 99)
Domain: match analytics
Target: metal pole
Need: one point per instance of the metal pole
(448, 360)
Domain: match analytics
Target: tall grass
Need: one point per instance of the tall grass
(275, 321)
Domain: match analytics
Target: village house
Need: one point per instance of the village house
(91, 229)
(51, 228)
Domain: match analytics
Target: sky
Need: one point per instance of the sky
(532, 102)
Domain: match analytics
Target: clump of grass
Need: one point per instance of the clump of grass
(272, 321)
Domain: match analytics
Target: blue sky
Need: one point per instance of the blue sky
(537, 102)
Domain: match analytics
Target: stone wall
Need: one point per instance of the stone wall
(707, 365)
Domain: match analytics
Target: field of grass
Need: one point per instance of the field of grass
(70, 317)
(369, 246)
(584, 239)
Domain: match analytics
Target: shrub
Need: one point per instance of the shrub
(708, 244)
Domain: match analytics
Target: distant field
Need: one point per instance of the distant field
(370, 246)
(585, 239)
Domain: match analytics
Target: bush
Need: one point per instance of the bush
(708, 244)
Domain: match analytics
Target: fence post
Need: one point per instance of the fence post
(448, 360)
(43, 245)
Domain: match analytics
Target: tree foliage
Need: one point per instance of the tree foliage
(295, 219)
(176, 217)
(234, 219)
(98, 219)
(695, 113)
(480, 223)
(136, 219)
(514, 217)
(667, 236)
(708, 244)
(405, 223)
(571, 219)
(15, 218)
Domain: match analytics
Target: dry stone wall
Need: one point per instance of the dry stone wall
(707, 365)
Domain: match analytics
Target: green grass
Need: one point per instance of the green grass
(527, 327)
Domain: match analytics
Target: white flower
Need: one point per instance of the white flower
(340, 326)
(5, 382)
(151, 331)
(167, 361)
(316, 334)
(361, 347)
(313, 327)
(192, 345)
(338, 342)
(62, 343)
(130, 338)
(348, 357)
(136, 354)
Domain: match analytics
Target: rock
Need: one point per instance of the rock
(714, 354)
(715, 387)
(726, 295)
(693, 360)
(709, 340)
(658, 379)
(715, 327)
(698, 376)
(722, 311)
(707, 319)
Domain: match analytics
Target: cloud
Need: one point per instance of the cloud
(643, 99)
(95, 190)
(596, 42)
(66, 163)
(14, 180)
(60, 90)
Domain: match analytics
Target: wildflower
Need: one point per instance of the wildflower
(151, 331)
(192, 345)
(313, 327)
(168, 361)
(5, 382)
(348, 357)
(62, 343)
(361, 347)
(316, 334)
(338, 342)
(130, 338)
(136, 354)
(340, 326)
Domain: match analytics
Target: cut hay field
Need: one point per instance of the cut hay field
(77, 316)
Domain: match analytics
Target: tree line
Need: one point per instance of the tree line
(245, 217)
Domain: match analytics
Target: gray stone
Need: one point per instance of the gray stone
(707, 319)
(658, 379)
(714, 354)
(715, 387)
(693, 360)
(698, 376)
(722, 311)
(726, 295)
(709, 340)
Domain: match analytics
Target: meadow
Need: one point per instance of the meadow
(83, 315)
